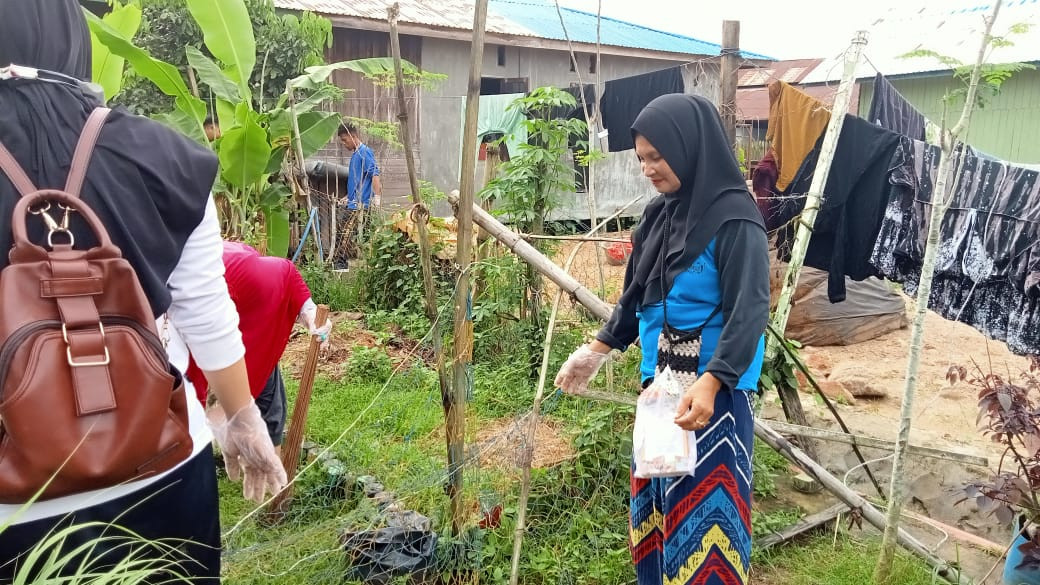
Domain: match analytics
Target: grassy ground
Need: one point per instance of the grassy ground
(384, 419)
(847, 560)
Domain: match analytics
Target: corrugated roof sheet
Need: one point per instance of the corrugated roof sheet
(953, 28)
(532, 18)
(753, 102)
(792, 71)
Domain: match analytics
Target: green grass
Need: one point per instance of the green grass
(577, 519)
(818, 560)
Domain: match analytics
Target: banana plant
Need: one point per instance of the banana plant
(106, 66)
(255, 145)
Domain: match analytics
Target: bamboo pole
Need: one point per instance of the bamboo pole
(855, 501)
(528, 253)
(791, 401)
(728, 86)
(421, 213)
(536, 409)
(870, 442)
(463, 333)
(279, 505)
(940, 201)
(575, 238)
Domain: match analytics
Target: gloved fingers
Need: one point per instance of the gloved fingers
(253, 486)
(232, 466)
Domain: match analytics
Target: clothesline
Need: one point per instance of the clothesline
(873, 217)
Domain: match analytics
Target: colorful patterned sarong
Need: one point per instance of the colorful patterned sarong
(696, 529)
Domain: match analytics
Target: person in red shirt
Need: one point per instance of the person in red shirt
(270, 296)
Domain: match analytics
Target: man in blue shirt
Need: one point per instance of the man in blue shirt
(364, 189)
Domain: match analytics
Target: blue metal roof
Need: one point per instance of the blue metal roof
(542, 19)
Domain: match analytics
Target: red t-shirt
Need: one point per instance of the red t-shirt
(268, 293)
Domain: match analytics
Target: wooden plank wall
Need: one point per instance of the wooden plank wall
(366, 100)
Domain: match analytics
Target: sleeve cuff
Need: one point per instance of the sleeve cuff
(217, 354)
(611, 341)
(724, 373)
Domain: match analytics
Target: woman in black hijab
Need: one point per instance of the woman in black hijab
(151, 189)
(699, 269)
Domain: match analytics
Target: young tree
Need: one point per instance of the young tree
(941, 197)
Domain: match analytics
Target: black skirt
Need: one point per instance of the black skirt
(182, 510)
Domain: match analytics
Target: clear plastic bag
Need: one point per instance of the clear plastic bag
(659, 446)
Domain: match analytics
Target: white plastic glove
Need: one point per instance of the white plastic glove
(377, 200)
(308, 316)
(248, 451)
(579, 369)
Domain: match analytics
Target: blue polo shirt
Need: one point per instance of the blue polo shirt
(359, 180)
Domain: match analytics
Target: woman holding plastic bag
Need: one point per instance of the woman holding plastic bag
(697, 295)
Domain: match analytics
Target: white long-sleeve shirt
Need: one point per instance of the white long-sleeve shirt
(201, 317)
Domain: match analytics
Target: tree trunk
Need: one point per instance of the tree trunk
(940, 201)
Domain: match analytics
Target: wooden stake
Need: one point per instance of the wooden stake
(421, 213)
(279, 505)
(863, 441)
(536, 409)
(463, 334)
(728, 79)
(941, 198)
(791, 401)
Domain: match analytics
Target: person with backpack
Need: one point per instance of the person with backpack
(114, 274)
(270, 296)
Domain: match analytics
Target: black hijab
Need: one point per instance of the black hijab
(148, 184)
(687, 131)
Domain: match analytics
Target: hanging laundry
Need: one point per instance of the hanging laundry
(853, 207)
(624, 98)
(577, 110)
(796, 122)
(498, 116)
(890, 110)
(763, 184)
(988, 264)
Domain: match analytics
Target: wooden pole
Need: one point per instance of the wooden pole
(530, 254)
(279, 505)
(728, 82)
(791, 401)
(536, 409)
(870, 442)
(421, 213)
(463, 334)
(484, 242)
(855, 501)
(941, 198)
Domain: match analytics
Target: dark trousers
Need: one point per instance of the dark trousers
(181, 510)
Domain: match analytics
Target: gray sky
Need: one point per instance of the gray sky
(784, 29)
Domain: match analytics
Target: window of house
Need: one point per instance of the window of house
(501, 56)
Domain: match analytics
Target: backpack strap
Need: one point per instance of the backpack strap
(84, 149)
(80, 158)
(15, 173)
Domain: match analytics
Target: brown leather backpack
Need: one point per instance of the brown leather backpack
(88, 399)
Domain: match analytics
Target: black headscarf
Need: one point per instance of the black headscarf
(148, 184)
(687, 131)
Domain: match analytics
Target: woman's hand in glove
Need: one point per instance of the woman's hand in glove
(248, 451)
(580, 368)
(308, 316)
